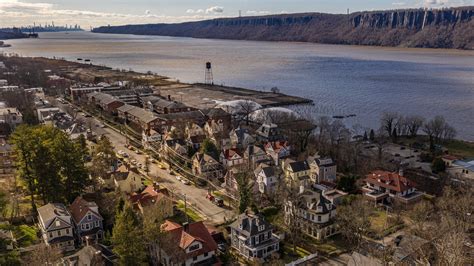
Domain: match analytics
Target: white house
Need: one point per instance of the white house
(267, 179)
(56, 226)
(127, 181)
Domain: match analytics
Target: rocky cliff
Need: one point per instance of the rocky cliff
(443, 28)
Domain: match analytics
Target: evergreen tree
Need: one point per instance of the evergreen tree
(24, 141)
(372, 135)
(209, 148)
(103, 158)
(365, 136)
(127, 238)
(50, 163)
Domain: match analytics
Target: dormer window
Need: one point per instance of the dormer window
(89, 217)
(194, 247)
(261, 228)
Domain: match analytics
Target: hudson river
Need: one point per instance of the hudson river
(341, 80)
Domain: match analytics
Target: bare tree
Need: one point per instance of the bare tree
(353, 221)
(413, 124)
(43, 255)
(389, 122)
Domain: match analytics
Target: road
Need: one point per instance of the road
(196, 197)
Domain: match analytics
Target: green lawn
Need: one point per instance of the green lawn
(461, 148)
(191, 213)
(289, 255)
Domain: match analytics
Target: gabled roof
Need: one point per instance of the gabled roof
(54, 216)
(277, 146)
(298, 166)
(390, 180)
(268, 171)
(149, 196)
(80, 207)
(230, 153)
(325, 162)
(203, 158)
(315, 202)
(184, 236)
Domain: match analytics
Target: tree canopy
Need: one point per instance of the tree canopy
(51, 165)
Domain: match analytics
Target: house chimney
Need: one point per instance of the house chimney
(186, 227)
(400, 171)
(301, 189)
(87, 240)
(169, 97)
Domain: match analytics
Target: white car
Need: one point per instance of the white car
(120, 152)
(139, 165)
(178, 178)
(133, 162)
(186, 182)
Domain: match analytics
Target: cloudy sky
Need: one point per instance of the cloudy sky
(116, 12)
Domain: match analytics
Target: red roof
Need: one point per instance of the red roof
(80, 207)
(277, 145)
(148, 196)
(195, 232)
(390, 180)
(229, 153)
(450, 157)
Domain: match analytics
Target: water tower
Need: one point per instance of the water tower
(209, 79)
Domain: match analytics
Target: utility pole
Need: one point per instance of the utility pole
(186, 208)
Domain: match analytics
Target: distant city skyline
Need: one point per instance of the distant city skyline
(89, 13)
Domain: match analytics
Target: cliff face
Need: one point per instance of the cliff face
(446, 28)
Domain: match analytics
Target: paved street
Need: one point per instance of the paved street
(195, 196)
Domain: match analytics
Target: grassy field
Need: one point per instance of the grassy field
(461, 148)
(378, 221)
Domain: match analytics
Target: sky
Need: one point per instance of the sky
(92, 13)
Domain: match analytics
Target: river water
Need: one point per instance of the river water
(341, 80)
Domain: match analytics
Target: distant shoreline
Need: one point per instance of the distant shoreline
(440, 28)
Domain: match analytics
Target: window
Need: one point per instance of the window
(319, 218)
(50, 234)
(89, 217)
(261, 228)
(205, 254)
(67, 231)
(195, 258)
(59, 232)
(87, 226)
(193, 247)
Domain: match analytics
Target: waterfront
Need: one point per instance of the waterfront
(341, 80)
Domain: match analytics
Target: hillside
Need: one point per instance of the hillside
(443, 28)
(5, 35)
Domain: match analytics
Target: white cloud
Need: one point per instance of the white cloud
(17, 13)
(214, 9)
(439, 3)
(255, 12)
(399, 4)
(192, 11)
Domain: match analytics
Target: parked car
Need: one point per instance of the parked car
(218, 201)
(186, 182)
(178, 177)
(133, 162)
(222, 247)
